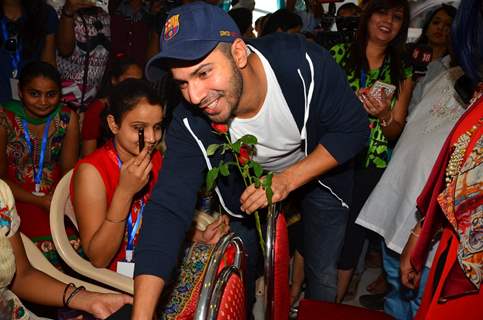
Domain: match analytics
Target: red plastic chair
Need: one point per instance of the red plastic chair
(222, 293)
(277, 288)
(277, 294)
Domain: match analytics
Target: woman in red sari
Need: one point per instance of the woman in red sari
(452, 200)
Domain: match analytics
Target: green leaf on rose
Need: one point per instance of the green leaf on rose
(267, 185)
(269, 193)
(248, 139)
(257, 169)
(212, 149)
(236, 146)
(211, 178)
(245, 171)
(224, 169)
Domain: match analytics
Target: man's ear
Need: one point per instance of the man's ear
(239, 51)
(111, 122)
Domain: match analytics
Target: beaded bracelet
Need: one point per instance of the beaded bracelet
(73, 294)
(386, 122)
(65, 292)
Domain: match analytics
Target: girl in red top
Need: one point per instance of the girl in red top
(111, 186)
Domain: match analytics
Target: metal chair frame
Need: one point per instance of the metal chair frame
(219, 288)
(273, 213)
(205, 309)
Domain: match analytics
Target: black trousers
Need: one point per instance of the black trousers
(365, 180)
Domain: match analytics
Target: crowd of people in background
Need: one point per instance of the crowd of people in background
(375, 145)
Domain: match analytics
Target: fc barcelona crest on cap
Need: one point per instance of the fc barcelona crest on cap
(171, 27)
(203, 27)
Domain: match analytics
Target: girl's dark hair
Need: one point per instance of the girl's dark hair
(243, 18)
(170, 95)
(349, 6)
(467, 38)
(116, 67)
(124, 98)
(395, 49)
(448, 9)
(283, 19)
(33, 29)
(38, 69)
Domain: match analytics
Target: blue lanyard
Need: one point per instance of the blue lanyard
(26, 132)
(362, 81)
(131, 228)
(14, 58)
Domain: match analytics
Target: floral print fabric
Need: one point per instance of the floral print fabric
(9, 223)
(462, 204)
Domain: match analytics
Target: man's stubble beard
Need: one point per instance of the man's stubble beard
(236, 83)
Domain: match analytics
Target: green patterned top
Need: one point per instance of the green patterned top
(378, 152)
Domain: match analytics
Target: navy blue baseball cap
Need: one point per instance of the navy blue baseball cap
(191, 32)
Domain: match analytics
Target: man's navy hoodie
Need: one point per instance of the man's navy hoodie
(326, 112)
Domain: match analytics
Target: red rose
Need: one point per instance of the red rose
(244, 155)
(220, 127)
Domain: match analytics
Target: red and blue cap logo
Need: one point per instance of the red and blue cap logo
(171, 27)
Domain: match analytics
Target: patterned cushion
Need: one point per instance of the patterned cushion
(232, 304)
(183, 297)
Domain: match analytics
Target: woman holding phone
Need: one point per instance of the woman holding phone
(374, 68)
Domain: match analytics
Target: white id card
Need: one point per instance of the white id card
(14, 88)
(125, 268)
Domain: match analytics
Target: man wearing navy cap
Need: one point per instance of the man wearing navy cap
(287, 92)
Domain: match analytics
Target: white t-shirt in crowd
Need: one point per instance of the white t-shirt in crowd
(279, 143)
(390, 209)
